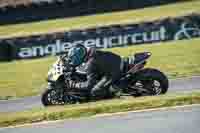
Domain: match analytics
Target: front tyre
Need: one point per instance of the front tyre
(151, 81)
(52, 97)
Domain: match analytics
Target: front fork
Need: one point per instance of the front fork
(50, 85)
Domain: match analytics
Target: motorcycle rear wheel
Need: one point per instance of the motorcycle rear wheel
(150, 80)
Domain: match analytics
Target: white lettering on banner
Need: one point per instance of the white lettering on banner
(145, 36)
(51, 49)
(187, 32)
(105, 42)
(25, 52)
(90, 43)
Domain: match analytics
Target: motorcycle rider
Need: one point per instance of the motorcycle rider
(102, 68)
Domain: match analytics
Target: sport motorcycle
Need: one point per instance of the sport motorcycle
(141, 81)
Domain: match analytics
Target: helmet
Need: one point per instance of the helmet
(77, 55)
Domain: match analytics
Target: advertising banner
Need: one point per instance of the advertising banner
(185, 27)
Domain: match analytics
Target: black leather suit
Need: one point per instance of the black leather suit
(103, 69)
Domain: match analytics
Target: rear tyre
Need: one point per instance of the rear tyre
(151, 80)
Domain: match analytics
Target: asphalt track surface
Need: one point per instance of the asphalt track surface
(176, 120)
(177, 85)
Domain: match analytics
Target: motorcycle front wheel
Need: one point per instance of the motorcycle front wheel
(52, 97)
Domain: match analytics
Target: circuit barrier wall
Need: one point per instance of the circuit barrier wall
(69, 8)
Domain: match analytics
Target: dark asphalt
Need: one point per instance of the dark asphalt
(178, 85)
(179, 120)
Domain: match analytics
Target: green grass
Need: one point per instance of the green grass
(27, 77)
(132, 16)
(90, 109)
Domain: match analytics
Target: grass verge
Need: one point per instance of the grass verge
(131, 16)
(27, 77)
(90, 109)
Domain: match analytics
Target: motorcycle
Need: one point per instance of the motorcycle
(141, 81)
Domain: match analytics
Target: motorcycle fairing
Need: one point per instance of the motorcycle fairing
(55, 72)
(141, 57)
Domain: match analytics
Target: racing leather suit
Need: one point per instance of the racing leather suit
(103, 69)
